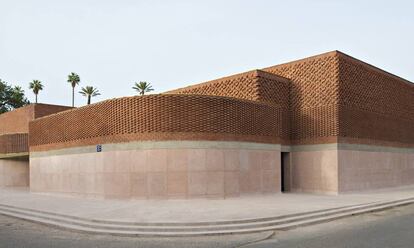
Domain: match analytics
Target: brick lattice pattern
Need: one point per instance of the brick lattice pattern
(374, 105)
(327, 98)
(16, 121)
(14, 126)
(158, 117)
(314, 96)
(14, 143)
(254, 85)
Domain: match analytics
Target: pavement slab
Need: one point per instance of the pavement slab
(194, 210)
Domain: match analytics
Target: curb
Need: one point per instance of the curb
(184, 229)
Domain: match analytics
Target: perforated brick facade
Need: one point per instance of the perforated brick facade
(14, 143)
(336, 98)
(375, 106)
(14, 126)
(360, 118)
(158, 117)
(314, 97)
(254, 85)
(329, 98)
(16, 121)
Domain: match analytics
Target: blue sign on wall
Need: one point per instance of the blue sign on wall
(98, 148)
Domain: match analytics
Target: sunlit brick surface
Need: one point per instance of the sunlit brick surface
(375, 105)
(158, 117)
(14, 126)
(254, 85)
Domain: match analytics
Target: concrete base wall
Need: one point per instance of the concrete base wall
(341, 168)
(159, 170)
(370, 170)
(314, 171)
(14, 173)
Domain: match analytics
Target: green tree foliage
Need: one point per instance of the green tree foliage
(11, 97)
(142, 87)
(74, 80)
(36, 86)
(89, 92)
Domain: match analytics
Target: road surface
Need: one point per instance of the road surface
(392, 228)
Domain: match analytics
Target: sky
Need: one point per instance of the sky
(113, 43)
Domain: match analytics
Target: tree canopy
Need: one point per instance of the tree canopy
(89, 91)
(143, 87)
(36, 86)
(11, 97)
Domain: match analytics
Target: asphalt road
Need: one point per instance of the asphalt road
(392, 228)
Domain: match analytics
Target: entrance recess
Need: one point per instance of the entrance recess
(285, 179)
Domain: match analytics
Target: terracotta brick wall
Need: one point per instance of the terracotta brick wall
(374, 105)
(254, 85)
(314, 97)
(14, 143)
(14, 126)
(337, 98)
(158, 117)
(41, 109)
(16, 121)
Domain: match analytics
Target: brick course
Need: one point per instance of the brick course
(14, 126)
(326, 98)
(254, 85)
(14, 143)
(374, 104)
(16, 121)
(158, 117)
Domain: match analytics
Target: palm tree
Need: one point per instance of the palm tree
(89, 91)
(143, 87)
(74, 80)
(36, 86)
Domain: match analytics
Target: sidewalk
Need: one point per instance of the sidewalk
(195, 216)
(194, 210)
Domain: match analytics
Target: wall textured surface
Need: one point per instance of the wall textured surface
(314, 97)
(14, 173)
(41, 109)
(254, 85)
(326, 101)
(159, 173)
(337, 98)
(314, 171)
(362, 170)
(14, 126)
(158, 117)
(374, 105)
(14, 143)
(16, 121)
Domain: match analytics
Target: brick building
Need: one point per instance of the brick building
(14, 142)
(324, 124)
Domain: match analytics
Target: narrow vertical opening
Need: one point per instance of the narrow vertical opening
(285, 172)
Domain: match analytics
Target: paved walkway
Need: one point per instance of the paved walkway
(195, 210)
